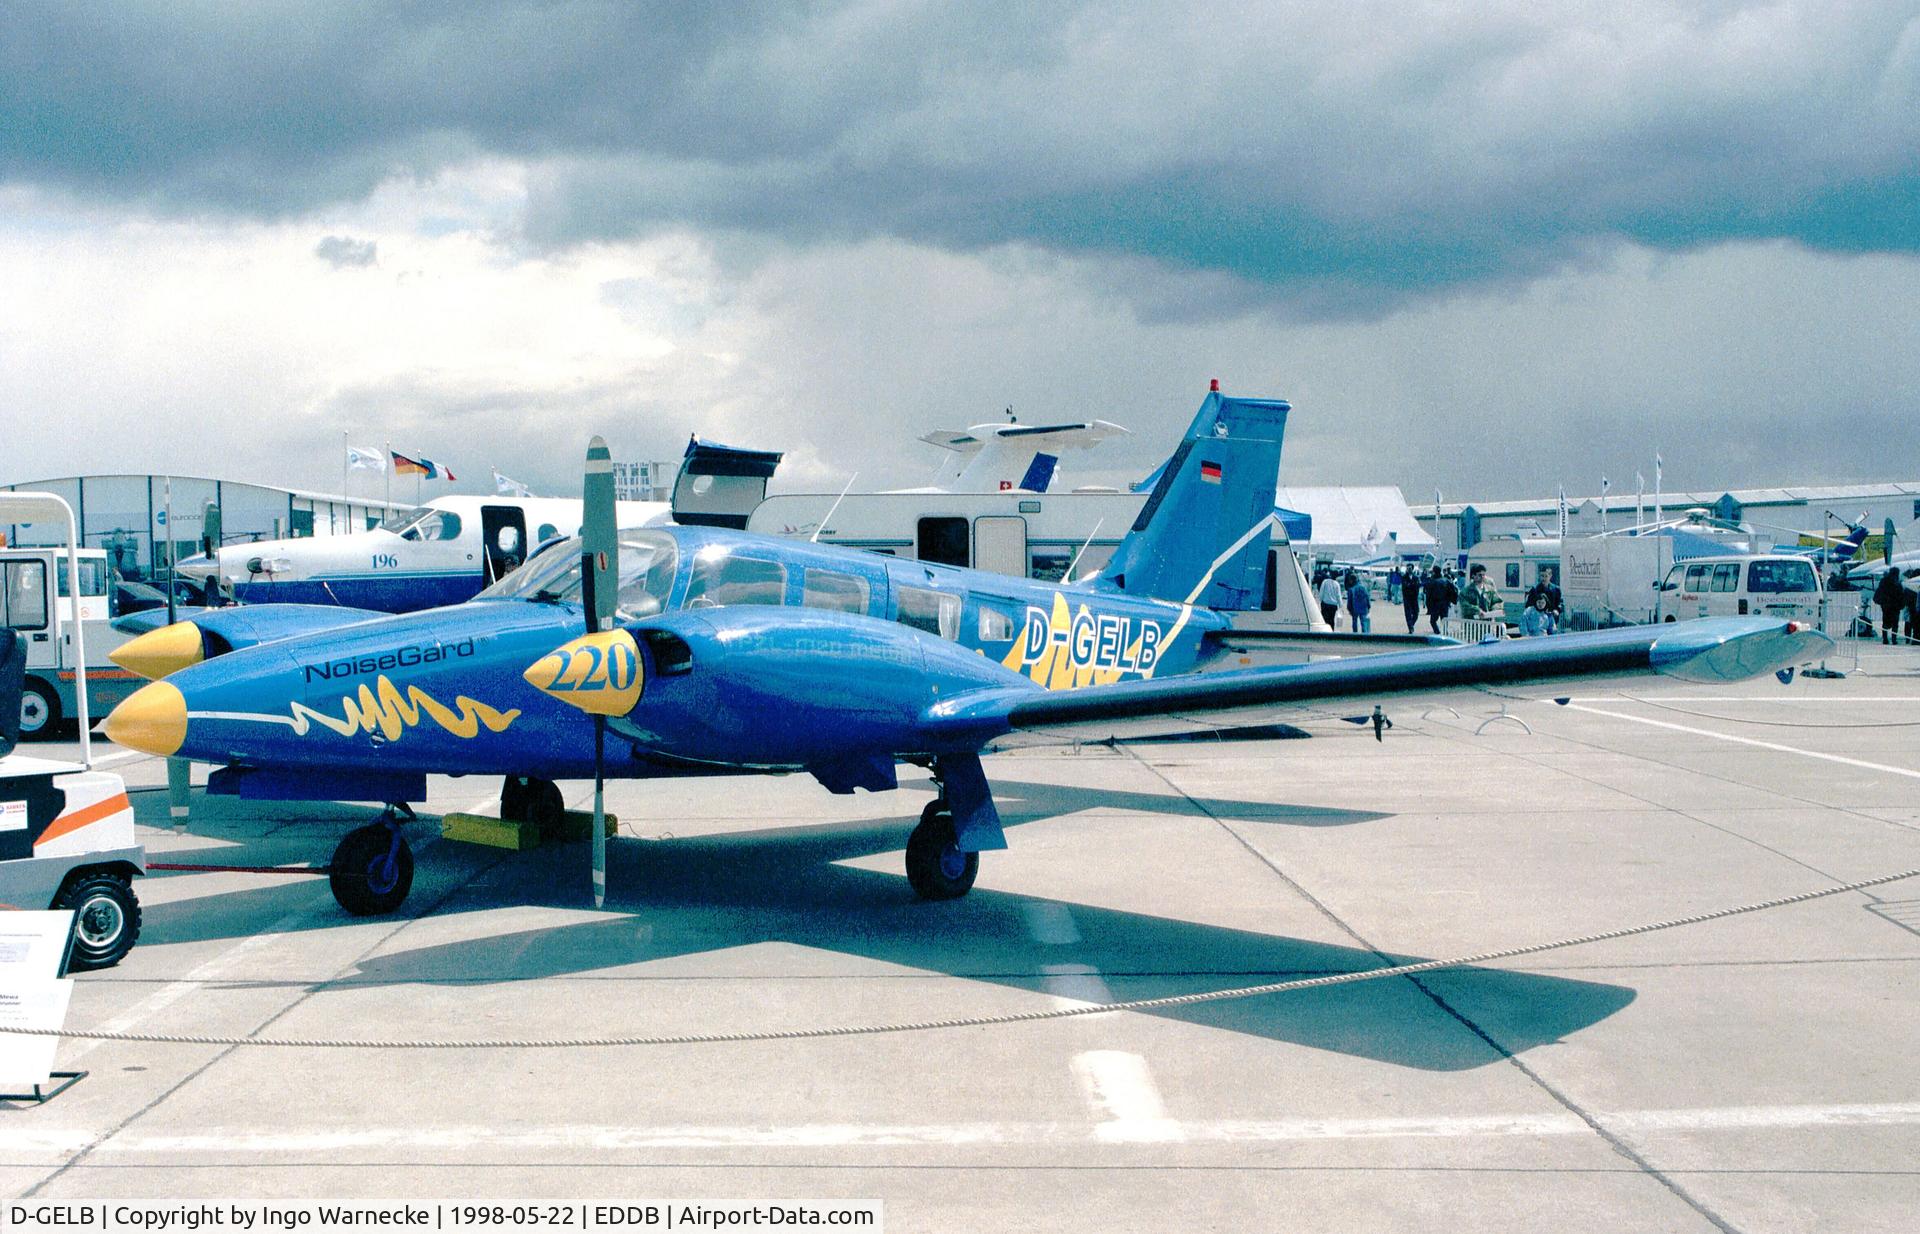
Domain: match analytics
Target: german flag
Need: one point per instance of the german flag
(404, 466)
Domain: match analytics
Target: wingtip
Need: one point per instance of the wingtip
(1732, 650)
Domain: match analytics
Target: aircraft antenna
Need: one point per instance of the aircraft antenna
(1068, 576)
(822, 526)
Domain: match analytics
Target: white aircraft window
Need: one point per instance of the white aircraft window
(723, 578)
(1776, 576)
(24, 594)
(936, 612)
(845, 593)
(425, 525)
(995, 626)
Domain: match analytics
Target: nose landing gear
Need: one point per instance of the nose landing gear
(936, 867)
(372, 869)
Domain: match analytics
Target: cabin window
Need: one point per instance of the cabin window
(936, 612)
(422, 525)
(24, 594)
(995, 626)
(721, 578)
(1513, 576)
(1696, 578)
(646, 575)
(1726, 576)
(1777, 576)
(830, 589)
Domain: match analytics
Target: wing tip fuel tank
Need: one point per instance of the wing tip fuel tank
(1719, 654)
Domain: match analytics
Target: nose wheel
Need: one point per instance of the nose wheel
(372, 869)
(936, 867)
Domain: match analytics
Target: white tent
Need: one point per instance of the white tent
(1351, 523)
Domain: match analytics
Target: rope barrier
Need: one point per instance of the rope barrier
(1022, 1017)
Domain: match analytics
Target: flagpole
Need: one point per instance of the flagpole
(346, 463)
(388, 512)
(1656, 486)
(1639, 499)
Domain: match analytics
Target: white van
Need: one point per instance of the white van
(37, 600)
(1765, 584)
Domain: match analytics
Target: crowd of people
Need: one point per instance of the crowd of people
(1897, 597)
(1436, 591)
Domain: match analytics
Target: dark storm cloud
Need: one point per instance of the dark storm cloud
(1337, 156)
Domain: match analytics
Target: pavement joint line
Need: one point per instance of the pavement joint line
(1779, 747)
(1564, 1100)
(106, 1136)
(1479, 959)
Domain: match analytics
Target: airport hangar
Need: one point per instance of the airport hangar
(129, 514)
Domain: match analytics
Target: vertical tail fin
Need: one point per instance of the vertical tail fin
(1202, 536)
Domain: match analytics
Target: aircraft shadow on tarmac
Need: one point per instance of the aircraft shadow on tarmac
(782, 885)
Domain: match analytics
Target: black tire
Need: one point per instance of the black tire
(364, 882)
(39, 711)
(106, 921)
(513, 798)
(545, 808)
(936, 867)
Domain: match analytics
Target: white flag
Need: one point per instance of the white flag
(366, 458)
(507, 486)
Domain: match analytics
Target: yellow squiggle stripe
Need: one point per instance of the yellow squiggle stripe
(392, 713)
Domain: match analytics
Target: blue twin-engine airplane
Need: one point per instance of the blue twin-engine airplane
(686, 651)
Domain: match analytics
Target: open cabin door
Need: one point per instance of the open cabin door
(719, 486)
(503, 530)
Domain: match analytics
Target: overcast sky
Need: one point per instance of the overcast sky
(1485, 247)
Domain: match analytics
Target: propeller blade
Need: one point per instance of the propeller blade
(179, 793)
(600, 582)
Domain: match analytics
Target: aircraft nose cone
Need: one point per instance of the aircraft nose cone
(153, 720)
(598, 673)
(158, 652)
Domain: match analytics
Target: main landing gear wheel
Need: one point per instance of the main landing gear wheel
(372, 870)
(525, 799)
(936, 867)
(39, 710)
(106, 921)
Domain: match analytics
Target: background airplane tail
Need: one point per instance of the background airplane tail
(1202, 536)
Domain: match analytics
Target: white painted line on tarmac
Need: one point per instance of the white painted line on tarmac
(167, 995)
(1075, 985)
(1750, 741)
(1050, 924)
(1755, 698)
(1123, 1096)
(229, 1141)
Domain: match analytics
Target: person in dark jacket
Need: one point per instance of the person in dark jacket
(1410, 598)
(1441, 593)
(1359, 604)
(1891, 598)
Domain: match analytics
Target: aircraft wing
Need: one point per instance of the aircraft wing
(1723, 650)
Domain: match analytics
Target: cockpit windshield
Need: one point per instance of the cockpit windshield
(646, 575)
(424, 525)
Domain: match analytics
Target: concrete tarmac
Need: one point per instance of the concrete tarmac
(1754, 1074)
